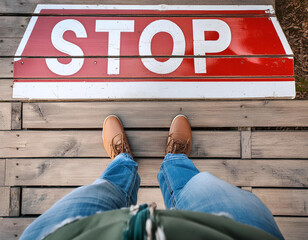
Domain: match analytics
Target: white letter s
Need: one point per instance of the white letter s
(66, 47)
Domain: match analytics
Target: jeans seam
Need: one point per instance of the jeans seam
(130, 190)
(168, 186)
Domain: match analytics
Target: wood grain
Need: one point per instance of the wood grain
(54, 172)
(12, 228)
(6, 70)
(38, 200)
(293, 228)
(15, 201)
(16, 115)
(8, 46)
(284, 201)
(280, 144)
(246, 144)
(13, 26)
(160, 114)
(6, 87)
(19, 6)
(4, 201)
(75, 172)
(90, 144)
(5, 116)
(2, 171)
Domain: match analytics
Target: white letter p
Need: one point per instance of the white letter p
(201, 46)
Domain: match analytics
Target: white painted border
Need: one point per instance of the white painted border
(153, 90)
(27, 34)
(281, 36)
(25, 38)
(161, 7)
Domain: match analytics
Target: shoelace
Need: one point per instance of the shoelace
(120, 146)
(176, 145)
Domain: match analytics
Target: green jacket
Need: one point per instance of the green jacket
(148, 223)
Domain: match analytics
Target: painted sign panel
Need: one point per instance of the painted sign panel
(98, 51)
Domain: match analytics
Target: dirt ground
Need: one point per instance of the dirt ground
(293, 17)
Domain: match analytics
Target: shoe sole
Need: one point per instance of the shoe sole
(180, 115)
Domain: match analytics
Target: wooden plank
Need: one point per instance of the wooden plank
(2, 172)
(149, 195)
(291, 201)
(5, 116)
(133, 69)
(13, 26)
(21, 7)
(15, 201)
(6, 87)
(6, 70)
(246, 144)
(287, 144)
(75, 172)
(11, 44)
(248, 189)
(12, 228)
(4, 201)
(8, 46)
(38, 200)
(293, 228)
(68, 172)
(90, 144)
(157, 114)
(16, 115)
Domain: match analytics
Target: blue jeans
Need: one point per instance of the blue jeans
(182, 185)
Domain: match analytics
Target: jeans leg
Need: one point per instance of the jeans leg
(175, 171)
(184, 188)
(117, 187)
(209, 194)
(122, 172)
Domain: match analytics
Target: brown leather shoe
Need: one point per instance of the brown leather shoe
(180, 137)
(115, 140)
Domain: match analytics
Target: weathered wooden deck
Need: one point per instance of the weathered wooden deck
(49, 148)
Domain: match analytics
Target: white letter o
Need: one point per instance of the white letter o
(178, 46)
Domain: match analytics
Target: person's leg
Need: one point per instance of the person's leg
(117, 187)
(184, 188)
(122, 172)
(179, 141)
(175, 172)
(206, 193)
